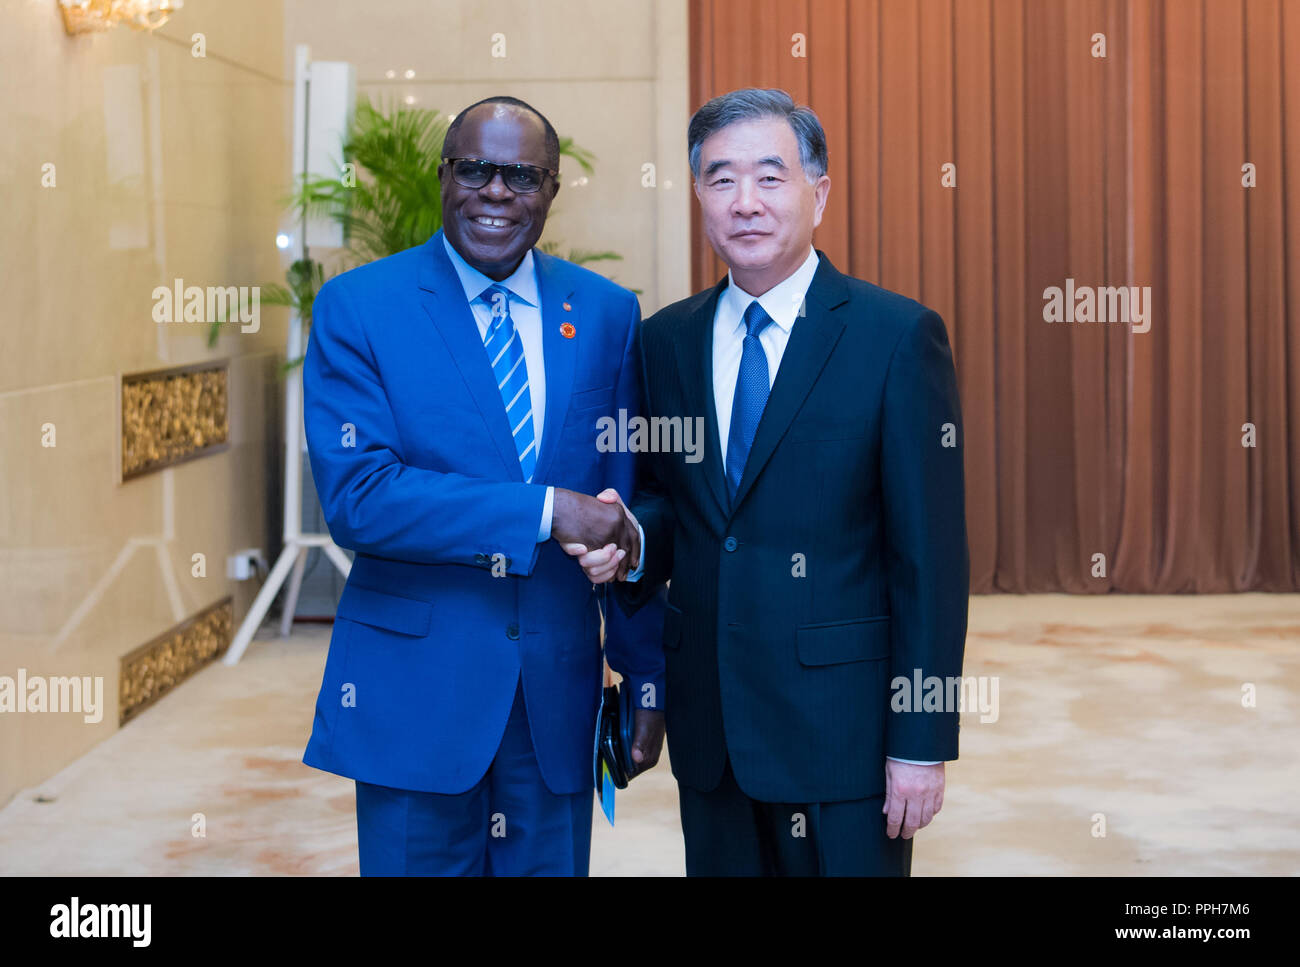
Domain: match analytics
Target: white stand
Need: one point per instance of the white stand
(296, 543)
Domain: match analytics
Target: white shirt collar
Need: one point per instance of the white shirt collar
(522, 282)
(782, 301)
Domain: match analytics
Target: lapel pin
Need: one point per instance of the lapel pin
(567, 307)
(567, 330)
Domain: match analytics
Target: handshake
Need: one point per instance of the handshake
(599, 531)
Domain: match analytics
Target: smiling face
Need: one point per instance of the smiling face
(759, 208)
(493, 227)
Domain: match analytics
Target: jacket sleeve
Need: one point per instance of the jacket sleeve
(634, 641)
(652, 505)
(928, 563)
(373, 501)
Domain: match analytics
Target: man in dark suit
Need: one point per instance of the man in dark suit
(818, 551)
(452, 398)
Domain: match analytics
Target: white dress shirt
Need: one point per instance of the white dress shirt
(783, 302)
(526, 314)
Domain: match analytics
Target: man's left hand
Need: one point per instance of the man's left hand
(647, 736)
(913, 796)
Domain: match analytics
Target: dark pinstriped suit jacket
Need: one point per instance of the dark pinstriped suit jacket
(841, 563)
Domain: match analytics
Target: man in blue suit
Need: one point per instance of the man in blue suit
(452, 393)
(818, 552)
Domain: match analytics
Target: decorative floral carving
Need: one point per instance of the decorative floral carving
(154, 669)
(171, 417)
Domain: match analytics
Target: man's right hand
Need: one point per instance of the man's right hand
(585, 525)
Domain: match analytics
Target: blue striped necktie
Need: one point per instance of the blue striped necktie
(752, 387)
(506, 354)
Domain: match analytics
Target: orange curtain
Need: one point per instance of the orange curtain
(1082, 439)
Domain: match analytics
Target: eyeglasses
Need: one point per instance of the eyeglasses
(475, 173)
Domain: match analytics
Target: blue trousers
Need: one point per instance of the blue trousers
(508, 824)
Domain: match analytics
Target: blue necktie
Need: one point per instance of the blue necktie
(752, 387)
(506, 354)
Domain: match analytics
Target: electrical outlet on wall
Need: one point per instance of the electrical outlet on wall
(242, 565)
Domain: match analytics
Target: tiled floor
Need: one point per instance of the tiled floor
(1122, 711)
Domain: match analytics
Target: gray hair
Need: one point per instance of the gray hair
(752, 104)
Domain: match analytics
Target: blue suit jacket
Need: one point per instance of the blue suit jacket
(417, 473)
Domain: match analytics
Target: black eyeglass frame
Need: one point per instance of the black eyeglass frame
(505, 170)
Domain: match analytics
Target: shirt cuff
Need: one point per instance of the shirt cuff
(640, 565)
(914, 762)
(548, 509)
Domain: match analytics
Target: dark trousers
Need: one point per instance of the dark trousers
(508, 824)
(729, 834)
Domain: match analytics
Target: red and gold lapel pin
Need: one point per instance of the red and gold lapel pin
(567, 330)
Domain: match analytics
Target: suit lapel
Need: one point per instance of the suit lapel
(811, 341)
(559, 306)
(695, 362)
(443, 299)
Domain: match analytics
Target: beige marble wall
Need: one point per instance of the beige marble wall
(611, 74)
(166, 166)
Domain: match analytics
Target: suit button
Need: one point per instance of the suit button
(512, 631)
(480, 559)
(730, 543)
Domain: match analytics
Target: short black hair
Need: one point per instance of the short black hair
(552, 139)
